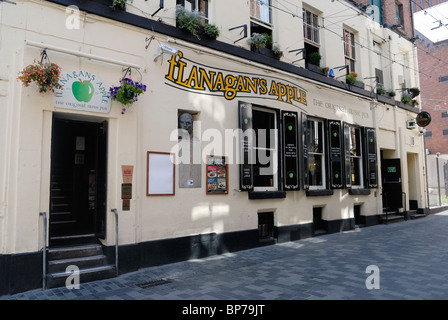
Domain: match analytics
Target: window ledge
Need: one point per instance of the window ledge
(359, 192)
(319, 192)
(267, 194)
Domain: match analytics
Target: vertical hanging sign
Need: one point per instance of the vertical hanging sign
(246, 150)
(348, 170)
(334, 130)
(290, 148)
(372, 174)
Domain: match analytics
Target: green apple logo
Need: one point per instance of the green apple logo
(83, 91)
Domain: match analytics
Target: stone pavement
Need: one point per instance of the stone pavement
(409, 259)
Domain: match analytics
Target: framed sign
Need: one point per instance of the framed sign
(217, 175)
(160, 174)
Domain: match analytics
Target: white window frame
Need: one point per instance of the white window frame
(314, 26)
(352, 58)
(265, 10)
(313, 153)
(196, 8)
(358, 156)
(273, 149)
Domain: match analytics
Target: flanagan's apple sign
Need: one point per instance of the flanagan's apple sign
(84, 91)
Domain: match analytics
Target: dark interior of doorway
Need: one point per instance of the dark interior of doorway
(78, 179)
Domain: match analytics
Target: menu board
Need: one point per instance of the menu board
(217, 175)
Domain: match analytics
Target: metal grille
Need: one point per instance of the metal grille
(152, 283)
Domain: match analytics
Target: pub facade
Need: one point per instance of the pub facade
(225, 147)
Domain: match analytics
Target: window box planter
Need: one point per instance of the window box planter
(357, 84)
(314, 68)
(264, 51)
(385, 98)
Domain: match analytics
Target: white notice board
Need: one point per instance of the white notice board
(160, 174)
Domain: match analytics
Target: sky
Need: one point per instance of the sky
(427, 21)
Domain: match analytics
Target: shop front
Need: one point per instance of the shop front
(219, 153)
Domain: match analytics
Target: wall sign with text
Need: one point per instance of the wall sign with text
(82, 90)
(191, 76)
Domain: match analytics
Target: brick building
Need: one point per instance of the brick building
(432, 49)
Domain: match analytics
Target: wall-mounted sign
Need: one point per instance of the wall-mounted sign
(186, 74)
(217, 175)
(127, 172)
(82, 90)
(423, 119)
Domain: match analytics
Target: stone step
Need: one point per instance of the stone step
(60, 279)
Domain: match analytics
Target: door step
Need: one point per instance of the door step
(67, 261)
(391, 217)
(61, 279)
(75, 239)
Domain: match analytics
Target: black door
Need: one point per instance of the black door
(78, 178)
(392, 190)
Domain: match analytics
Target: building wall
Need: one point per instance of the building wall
(150, 125)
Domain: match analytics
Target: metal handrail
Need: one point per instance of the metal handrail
(115, 211)
(44, 251)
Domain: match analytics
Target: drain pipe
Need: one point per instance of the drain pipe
(44, 252)
(115, 211)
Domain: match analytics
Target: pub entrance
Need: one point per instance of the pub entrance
(78, 180)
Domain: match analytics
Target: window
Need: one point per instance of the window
(399, 13)
(310, 26)
(428, 134)
(444, 114)
(376, 11)
(355, 147)
(349, 50)
(378, 63)
(260, 23)
(443, 78)
(445, 132)
(261, 10)
(316, 154)
(198, 5)
(265, 149)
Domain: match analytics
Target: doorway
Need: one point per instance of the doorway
(78, 178)
(392, 188)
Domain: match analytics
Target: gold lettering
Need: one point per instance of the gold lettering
(219, 83)
(208, 80)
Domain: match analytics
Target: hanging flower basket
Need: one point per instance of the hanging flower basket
(44, 75)
(127, 92)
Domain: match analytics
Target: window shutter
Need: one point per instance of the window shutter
(347, 166)
(335, 154)
(246, 143)
(305, 177)
(371, 158)
(290, 149)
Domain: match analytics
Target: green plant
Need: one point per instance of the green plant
(268, 40)
(406, 97)
(257, 40)
(277, 50)
(315, 58)
(211, 30)
(45, 75)
(391, 93)
(351, 77)
(118, 4)
(127, 92)
(187, 20)
(380, 90)
(414, 91)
